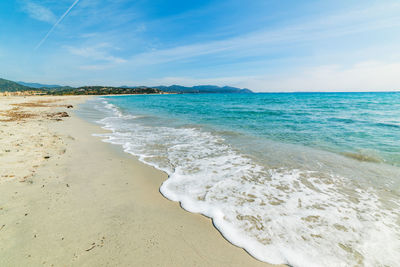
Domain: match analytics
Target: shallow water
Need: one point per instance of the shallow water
(308, 179)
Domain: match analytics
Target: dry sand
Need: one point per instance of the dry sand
(69, 199)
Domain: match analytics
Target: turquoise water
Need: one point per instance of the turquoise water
(343, 122)
(309, 179)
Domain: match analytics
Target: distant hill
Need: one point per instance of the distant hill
(39, 85)
(202, 89)
(10, 86)
(46, 87)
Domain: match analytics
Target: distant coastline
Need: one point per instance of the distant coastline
(8, 87)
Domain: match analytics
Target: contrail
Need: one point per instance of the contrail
(55, 25)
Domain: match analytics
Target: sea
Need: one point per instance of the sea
(304, 179)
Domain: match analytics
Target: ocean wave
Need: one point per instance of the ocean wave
(293, 216)
(364, 156)
(387, 124)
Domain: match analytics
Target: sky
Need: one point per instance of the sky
(263, 45)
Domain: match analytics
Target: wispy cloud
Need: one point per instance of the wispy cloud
(257, 43)
(97, 52)
(38, 12)
(95, 67)
(362, 76)
(55, 25)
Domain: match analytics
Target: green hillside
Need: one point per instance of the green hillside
(9, 86)
(103, 90)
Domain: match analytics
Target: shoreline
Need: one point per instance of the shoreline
(92, 204)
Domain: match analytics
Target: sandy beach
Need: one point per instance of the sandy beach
(69, 199)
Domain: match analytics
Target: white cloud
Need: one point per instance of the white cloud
(98, 52)
(39, 12)
(363, 76)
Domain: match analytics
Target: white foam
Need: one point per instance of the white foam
(298, 217)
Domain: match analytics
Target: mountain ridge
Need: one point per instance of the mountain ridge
(11, 86)
(39, 85)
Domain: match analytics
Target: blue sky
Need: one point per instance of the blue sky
(264, 45)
